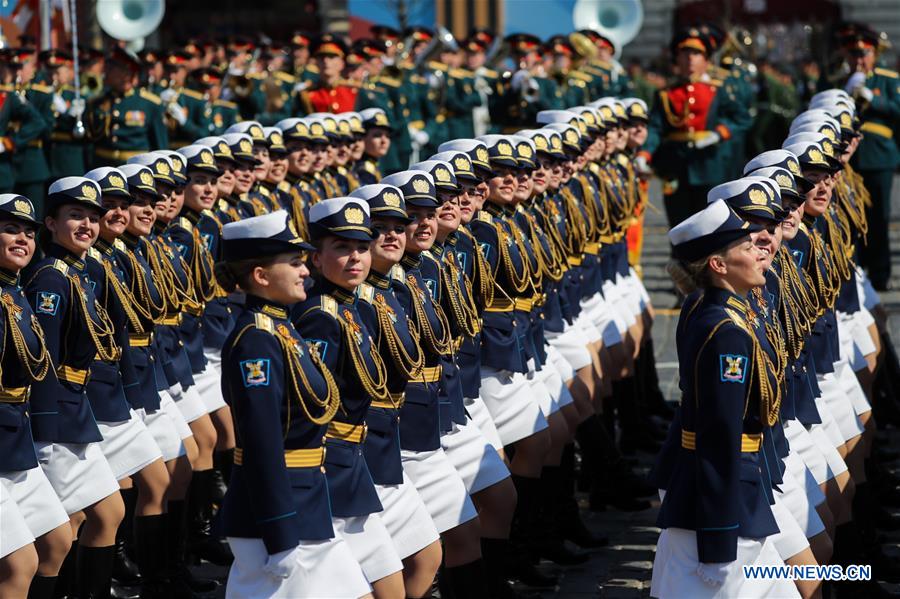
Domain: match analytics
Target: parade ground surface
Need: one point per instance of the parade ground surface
(623, 570)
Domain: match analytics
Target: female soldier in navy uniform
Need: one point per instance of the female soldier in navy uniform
(30, 510)
(330, 321)
(277, 515)
(715, 514)
(115, 388)
(76, 330)
(405, 515)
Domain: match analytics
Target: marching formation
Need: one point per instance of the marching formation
(771, 456)
(374, 349)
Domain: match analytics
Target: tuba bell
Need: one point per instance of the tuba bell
(619, 20)
(130, 20)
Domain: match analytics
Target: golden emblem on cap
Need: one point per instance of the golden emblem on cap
(793, 166)
(582, 126)
(442, 174)
(317, 129)
(116, 181)
(22, 206)
(146, 178)
(256, 132)
(571, 137)
(391, 199)
(784, 181)
(827, 148)
(421, 185)
(758, 197)
(540, 142)
(482, 154)
(619, 109)
(588, 117)
(276, 138)
(525, 150)
(330, 124)
(223, 148)
(461, 163)
(846, 121)
(816, 156)
(555, 142)
(380, 118)
(89, 191)
(354, 216)
(638, 110)
(162, 167)
(344, 127)
(245, 146)
(829, 133)
(504, 149)
(302, 129)
(606, 112)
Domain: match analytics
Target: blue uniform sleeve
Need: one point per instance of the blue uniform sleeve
(487, 239)
(323, 333)
(722, 373)
(254, 375)
(48, 294)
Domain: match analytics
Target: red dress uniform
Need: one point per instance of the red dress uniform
(341, 98)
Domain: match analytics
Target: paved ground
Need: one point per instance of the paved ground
(623, 570)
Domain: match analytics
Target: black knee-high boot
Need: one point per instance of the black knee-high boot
(462, 582)
(222, 462)
(94, 571)
(634, 432)
(524, 528)
(150, 547)
(41, 587)
(65, 580)
(181, 583)
(549, 541)
(567, 514)
(125, 571)
(201, 542)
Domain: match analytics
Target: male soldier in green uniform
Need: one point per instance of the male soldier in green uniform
(30, 170)
(304, 71)
(124, 121)
(488, 83)
(224, 113)
(382, 88)
(187, 110)
(877, 94)
(65, 152)
(20, 123)
(610, 79)
(574, 85)
(530, 90)
(462, 97)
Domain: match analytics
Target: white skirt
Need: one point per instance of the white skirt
(676, 562)
(572, 345)
(840, 404)
(474, 458)
(790, 539)
(15, 530)
(480, 415)
(510, 400)
(853, 390)
(78, 473)
(807, 449)
(631, 294)
(209, 382)
(554, 380)
(605, 317)
(867, 293)
(128, 446)
(164, 431)
(326, 569)
(189, 402)
(587, 327)
(167, 404)
(406, 518)
(799, 504)
(540, 391)
(849, 350)
(370, 544)
(563, 367)
(618, 302)
(36, 500)
(440, 487)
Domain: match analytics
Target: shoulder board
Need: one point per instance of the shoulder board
(417, 79)
(66, 88)
(184, 223)
(192, 94)
(254, 75)
(388, 81)
(312, 68)
(580, 75)
(119, 245)
(286, 77)
(886, 73)
(437, 66)
(490, 73)
(150, 96)
(284, 186)
(222, 204)
(61, 266)
(578, 83)
(602, 64)
(460, 73)
(264, 322)
(366, 293)
(225, 104)
(40, 87)
(397, 273)
(485, 216)
(93, 253)
(6, 88)
(329, 305)
(349, 83)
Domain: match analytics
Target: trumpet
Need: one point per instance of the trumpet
(441, 42)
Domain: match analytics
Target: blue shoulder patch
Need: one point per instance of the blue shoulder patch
(732, 368)
(485, 249)
(47, 302)
(182, 249)
(432, 288)
(318, 345)
(207, 240)
(797, 255)
(461, 257)
(255, 372)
